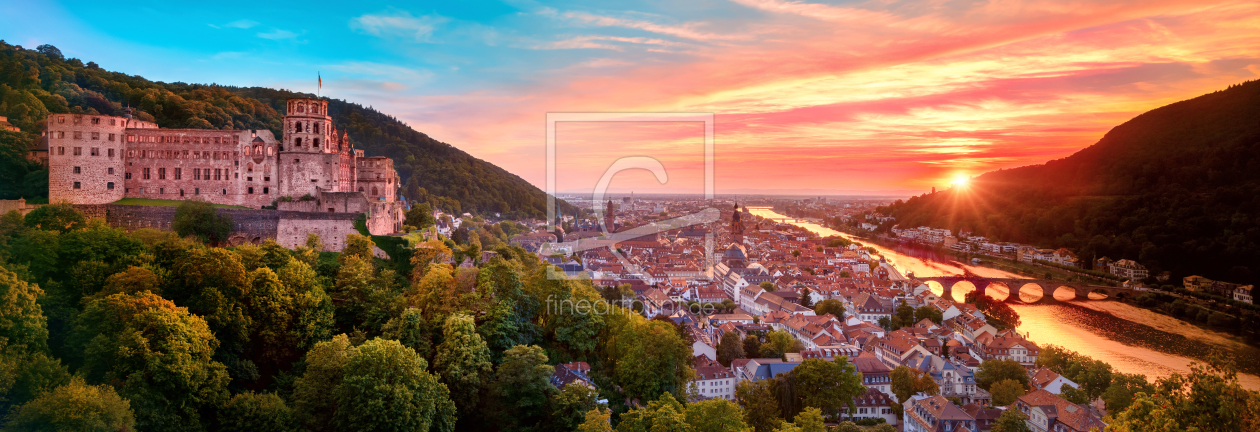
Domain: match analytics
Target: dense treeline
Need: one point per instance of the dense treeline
(36, 83)
(1176, 188)
(158, 332)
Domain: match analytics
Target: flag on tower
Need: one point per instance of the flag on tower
(321, 82)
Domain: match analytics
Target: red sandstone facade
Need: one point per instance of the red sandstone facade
(95, 159)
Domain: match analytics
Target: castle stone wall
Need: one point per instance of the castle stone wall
(288, 228)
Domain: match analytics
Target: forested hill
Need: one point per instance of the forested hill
(35, 83)
(1177, 188)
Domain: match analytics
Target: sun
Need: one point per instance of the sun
(960, 181)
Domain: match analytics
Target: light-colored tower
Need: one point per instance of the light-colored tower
(309, 154)
(85, 154)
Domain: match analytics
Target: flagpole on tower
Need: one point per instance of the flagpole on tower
(320, 87)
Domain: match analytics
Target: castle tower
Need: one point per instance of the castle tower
(85, 155)
(609, 217)
(310, 153)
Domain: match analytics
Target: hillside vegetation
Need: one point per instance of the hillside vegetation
(1175, 188)
(36, 83)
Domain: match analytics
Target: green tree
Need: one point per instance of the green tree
(903, 316)
(76, 406)
(411, 330)
(752, 346)
(314, 401)
(768, 286)
(646, 357)
(806, 299)
(830, 306)
(811, 420)
(828, 385)
(60, 217)
(420, 216)
(1011, 420)
(663, 414)
(257, 412)
(22, 322)
(384, 386)
(761, 404)
(597, 420)
(357, 246)
(906, 382)
(157, 355)
(779, 343)
(1123, 388)
(716, 415)
(571, 406)
(462, 360)
(1006, 391)
(992, 371)
(522, 385)
(729, 348)
(928, 312)
(200, 219)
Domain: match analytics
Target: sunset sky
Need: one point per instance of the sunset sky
(841, 97)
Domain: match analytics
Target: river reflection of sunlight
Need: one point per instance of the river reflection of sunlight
(1124, 336)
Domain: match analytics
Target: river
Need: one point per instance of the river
(1131, 339)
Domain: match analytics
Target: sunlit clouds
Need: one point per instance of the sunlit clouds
(892, 96)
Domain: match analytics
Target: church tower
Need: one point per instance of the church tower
(737, 227)
(609, 218)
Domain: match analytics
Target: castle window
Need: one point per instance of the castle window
(316, 128)
(316, 143)
(251, 190)
(111, 123)
(225, 191)
(109, 185)
(216, 173)
(61, 151)
(196, 173)
(96, 120)
(360, 188)
(297, 142)
(111, 171)
(96, 135)
(127, 176)
(77, 119)
(61, 119)
(146, 174)
(258, 150)
(161, 191)
(196, 191)
(181, 192)
(130, 138)
(76, 185)
(161, 173)
(111, 153)
(266, 190)
(61, 134)
(78, 151)
(179, 173)
(95, 151)
(77, 170)
(111, 137)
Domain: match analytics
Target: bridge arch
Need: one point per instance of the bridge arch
(960, 290)
(936, 288)
(1030, 293)
(1062, 293)
(999, 291)
(1099, 294)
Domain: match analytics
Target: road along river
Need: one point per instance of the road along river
(1131, 339)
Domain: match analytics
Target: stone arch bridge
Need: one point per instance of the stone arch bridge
(1048, 287)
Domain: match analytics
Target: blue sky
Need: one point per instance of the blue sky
(869, 95)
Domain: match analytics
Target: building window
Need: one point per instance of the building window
(77, 170)
(111, 136)
(111, 153)
(196, 173)
(109, 185)
(251, 190)
(61, 119)
(111, 170)
(179, 173)
(78, 135)
(78, 151)
(225, 191)
(266, 190)
(95, 151)
(216, 174)
(96, 120)
(161, 191)
(76, 185)
(196, 191)
(96, 135)
(146, 174)
(61, 151)
(161, 173)
(128, 176)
